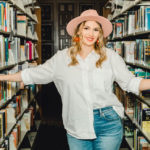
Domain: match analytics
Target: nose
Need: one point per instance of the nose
(91, 33)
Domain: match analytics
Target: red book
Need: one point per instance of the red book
(30, 49)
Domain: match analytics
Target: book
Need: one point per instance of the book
(131, 22)
(21, 25)
(147, 18)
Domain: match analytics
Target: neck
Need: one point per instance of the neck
(85, 50)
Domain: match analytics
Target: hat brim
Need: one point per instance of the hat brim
(105, 23)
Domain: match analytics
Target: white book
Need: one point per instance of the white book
(23, 58)
(24, 99)
(2, 50)
(27, 120)
(21, 28)
(8, 16)
(10, 115)
(36, 54)
(131, 24)
(15, 48)
(12, 145)
(11, 19)
(129, 51)
(27, 51)
(11, 59)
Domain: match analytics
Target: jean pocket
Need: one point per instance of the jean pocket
(110, 114)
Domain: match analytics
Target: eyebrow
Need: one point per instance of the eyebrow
(94, 27)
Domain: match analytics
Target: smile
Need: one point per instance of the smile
(90, 39)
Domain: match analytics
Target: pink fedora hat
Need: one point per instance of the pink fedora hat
(90, 14)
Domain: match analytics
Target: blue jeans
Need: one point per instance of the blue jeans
(108, 129)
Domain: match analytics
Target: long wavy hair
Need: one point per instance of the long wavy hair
(98, 47)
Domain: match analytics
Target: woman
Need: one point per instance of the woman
(84, 75)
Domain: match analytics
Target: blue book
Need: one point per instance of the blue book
(147, 19)
(6, 51)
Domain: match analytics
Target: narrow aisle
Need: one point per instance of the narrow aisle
(51, 134)
(50, 137)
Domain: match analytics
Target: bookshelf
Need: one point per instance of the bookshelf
(47, 28)
(65, 14)
(130, 39)
(17, 51)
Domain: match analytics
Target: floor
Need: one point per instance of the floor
(50, 138)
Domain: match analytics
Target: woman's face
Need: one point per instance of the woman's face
(90, 33)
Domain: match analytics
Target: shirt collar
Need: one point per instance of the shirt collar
(91, 55)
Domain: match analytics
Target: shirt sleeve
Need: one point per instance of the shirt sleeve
(42, 74)
(126, 80)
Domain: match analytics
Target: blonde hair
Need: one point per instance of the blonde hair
(76, 47)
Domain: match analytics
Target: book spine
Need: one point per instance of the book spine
(147, 19)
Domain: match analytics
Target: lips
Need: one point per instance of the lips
(90, 39)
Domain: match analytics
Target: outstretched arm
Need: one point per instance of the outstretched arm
(11, 77)
(144, 84)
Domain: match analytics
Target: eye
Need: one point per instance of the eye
(96, 29)
(86, 28)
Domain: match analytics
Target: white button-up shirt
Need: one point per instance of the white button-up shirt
(84, 87)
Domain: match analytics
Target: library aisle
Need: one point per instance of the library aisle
(31, 32)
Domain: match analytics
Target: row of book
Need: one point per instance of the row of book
(139, 114)
(10, 117)
(13, 21)
(16, 107)
(135, 21)
(9, 89)
(6, 14)
(134, 137)
(12, 52)
(138, 111)
(138, 72)
(137, 51)
(13, 141)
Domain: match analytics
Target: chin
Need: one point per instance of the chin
(88, 43)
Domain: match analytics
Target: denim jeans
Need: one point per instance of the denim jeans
(108, 129)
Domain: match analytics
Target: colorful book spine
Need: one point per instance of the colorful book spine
(147, 19)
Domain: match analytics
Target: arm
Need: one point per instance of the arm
(11, 77)
(126, 80)
(144, 84)
(41, 74)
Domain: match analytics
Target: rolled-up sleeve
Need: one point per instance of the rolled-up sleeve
(126, 80)
(42, 74)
